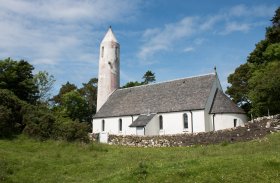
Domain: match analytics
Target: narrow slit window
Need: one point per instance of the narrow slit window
(234, 122)
(103, 125)
(120, 125)
(160, 122)
(102, 51)
(186, 121)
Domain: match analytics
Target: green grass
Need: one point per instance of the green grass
(27, 160)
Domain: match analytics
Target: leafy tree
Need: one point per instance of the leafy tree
(44, 82)
(10, 114)
(39, 122)
(89, 92)
(63, 90)
(254, 84)
(75, 107)
(239, 88)
(149, 77)
(18, 78)
(265, 89)
(132, 84)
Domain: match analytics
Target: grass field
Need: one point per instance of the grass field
(26, 160)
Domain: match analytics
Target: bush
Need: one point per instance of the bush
(39, 122)
(10, 114)
(69, 130)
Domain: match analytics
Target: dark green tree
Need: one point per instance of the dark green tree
(132, 84)
(10, 113)
(149, 77)
(63, 90)
(253, 84)
(18, 78)
(89, 92)
(265, 89)
(75, 106)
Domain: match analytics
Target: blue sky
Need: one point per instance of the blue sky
(174, 39)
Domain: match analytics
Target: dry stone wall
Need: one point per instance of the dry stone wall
(256, 128)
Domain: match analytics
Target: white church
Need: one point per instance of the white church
(188, 105)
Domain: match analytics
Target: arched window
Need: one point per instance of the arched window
(120, 124)
(103, 125)
(186, 120)
(160, 122)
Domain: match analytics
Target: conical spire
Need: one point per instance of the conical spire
(109, 36)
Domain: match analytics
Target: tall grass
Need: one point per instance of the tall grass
(26, 160)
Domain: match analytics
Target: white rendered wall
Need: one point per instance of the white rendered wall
(224, 121)
(216, 85)
(112, 125)
(173, 122)
(152, 128)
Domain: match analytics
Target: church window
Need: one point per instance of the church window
(160, 122)
(186, 120)
(103, 125)
(120, 125)
(102, 51)
(234, 122)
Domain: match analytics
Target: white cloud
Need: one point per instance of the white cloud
(238, 18)
(188, 49)
(234, 27)
(254, 11)
(159, 40)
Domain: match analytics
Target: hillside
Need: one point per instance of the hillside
(26, 160)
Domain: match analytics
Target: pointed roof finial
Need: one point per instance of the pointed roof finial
(109, 36)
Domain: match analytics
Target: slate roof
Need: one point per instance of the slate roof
(223, 104)
(177, 95)
(142, 120)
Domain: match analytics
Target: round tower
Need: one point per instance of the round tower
(109, 68)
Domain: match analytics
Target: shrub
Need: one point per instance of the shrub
(10, 113)
(39, 121)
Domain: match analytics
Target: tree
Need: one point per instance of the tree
(63, 90)
(75, 106)
(18, 78)
(265, 89)
(10, 114)
(254, 84)
(44, 82)
(239, 88)
(89, 92)
(149, 77)
(132, 84)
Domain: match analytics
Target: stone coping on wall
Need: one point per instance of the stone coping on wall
(254, 129)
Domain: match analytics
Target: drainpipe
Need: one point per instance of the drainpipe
(214, 122)
(192, 120)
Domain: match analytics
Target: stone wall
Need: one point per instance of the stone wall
(256, 128)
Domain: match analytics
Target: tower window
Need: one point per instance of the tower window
(234, 122)
(160, 122)
(103, 125)
(120, 125)
(102, 51)
(186, 120)
(117, 52)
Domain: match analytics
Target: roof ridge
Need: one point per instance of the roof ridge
(168, 81)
